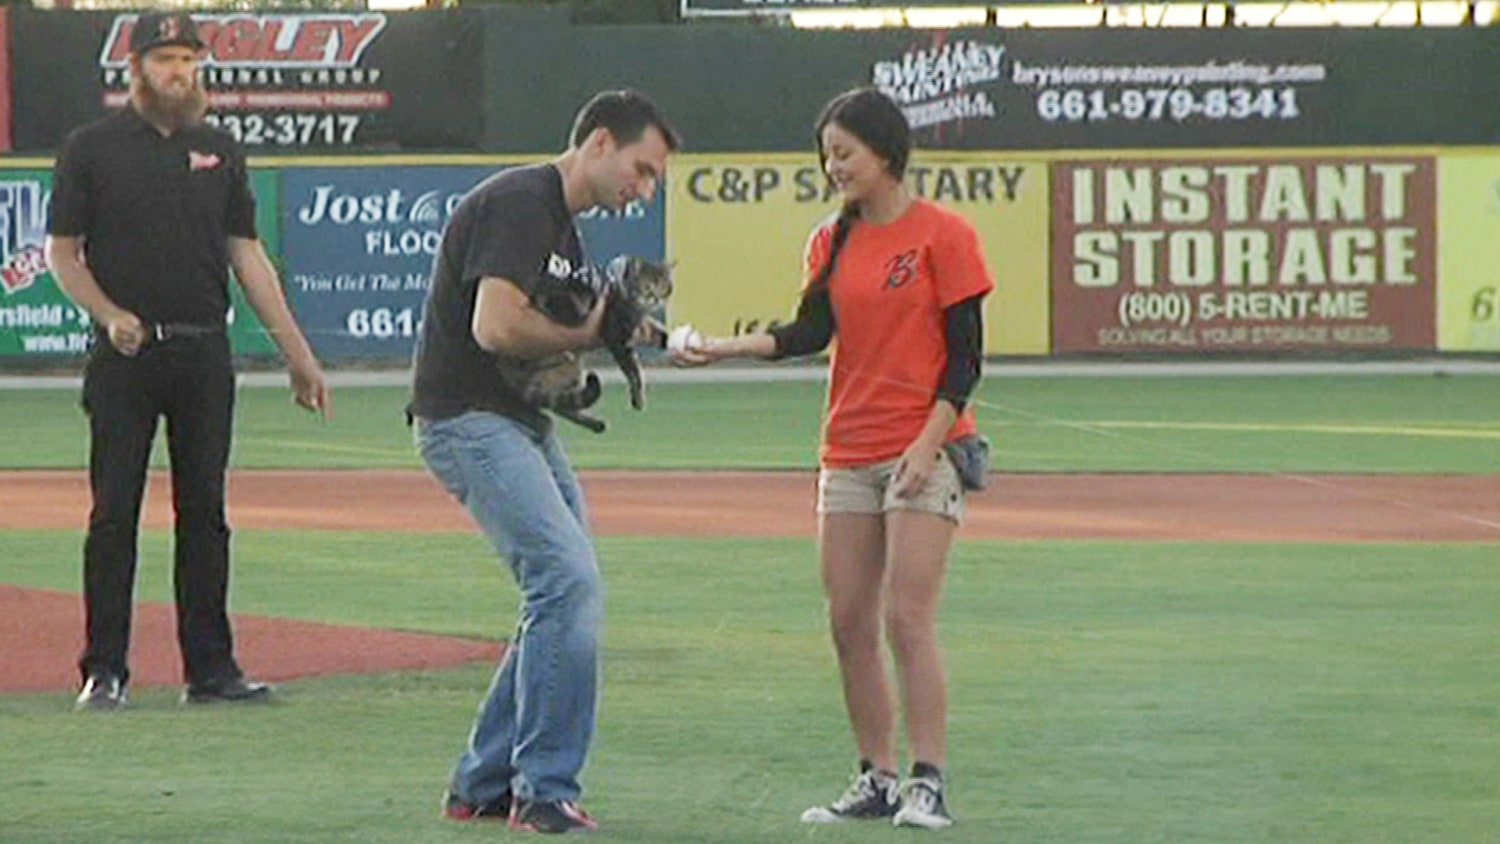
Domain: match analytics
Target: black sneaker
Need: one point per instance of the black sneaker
(101, 693)
(871, 795)
(229, 689)
(550, 816)
(458, 809)
(922, 804)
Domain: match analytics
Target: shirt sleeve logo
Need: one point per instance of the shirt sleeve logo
(202, 161)
(558, 266)
(900, 269)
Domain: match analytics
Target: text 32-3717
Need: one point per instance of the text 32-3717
(288, 128)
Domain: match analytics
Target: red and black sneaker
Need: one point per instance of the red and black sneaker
(456, 809)
(550, 816)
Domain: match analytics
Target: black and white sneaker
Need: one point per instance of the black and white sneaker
(871, 795)
(101, 693)
(921, 804)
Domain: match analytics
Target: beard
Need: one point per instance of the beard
(173, 111)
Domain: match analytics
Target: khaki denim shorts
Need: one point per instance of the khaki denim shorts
(868, 489)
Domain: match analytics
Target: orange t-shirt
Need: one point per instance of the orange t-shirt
(888, 294)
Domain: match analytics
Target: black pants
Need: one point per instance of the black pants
(190, 382)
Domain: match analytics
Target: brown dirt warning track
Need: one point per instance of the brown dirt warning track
(41, 630)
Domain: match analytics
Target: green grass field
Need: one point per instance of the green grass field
(1411, 423)
(1100, 692)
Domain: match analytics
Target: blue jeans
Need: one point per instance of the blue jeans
(533, 729)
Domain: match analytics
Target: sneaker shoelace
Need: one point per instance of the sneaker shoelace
(865, 787)
(922, 795)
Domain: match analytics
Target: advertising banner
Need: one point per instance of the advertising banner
(284, 80)
(1253, 254)
(38, 319)
(247, 335)
(738, 225)
(1469, 252)
(989, 89)
(1070, 91)
(359, 243)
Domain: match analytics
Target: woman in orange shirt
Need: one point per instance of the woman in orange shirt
(900, 281)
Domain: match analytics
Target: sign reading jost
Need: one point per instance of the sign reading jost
(359, 245)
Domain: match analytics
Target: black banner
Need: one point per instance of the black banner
(780, 7)
(988, 89)
(734, 88)
(306, 81)
(509, 79)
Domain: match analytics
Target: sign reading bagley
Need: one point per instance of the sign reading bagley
(284, 79)
(282, 40)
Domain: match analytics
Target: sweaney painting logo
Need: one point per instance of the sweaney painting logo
(276, 78)
(943, 82)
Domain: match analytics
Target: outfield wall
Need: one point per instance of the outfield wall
(1332, 251)
(1161, 192)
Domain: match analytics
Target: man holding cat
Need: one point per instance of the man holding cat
(508, 245)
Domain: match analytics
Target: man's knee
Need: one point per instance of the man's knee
(568, 581)
(202, 514)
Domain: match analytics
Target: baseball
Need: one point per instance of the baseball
(683, 338)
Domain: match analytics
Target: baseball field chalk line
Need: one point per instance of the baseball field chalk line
(1181, 451)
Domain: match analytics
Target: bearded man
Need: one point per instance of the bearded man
(150, 209)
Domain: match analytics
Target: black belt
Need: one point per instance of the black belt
(167, 330)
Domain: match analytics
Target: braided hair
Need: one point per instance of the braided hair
(879, 123)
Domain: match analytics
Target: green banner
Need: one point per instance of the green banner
(37, 320)
(246, 333)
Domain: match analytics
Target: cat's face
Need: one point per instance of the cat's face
(647, 282)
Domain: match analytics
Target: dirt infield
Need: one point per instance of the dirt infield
(1235, 508)
(42, 629)
(43, 633)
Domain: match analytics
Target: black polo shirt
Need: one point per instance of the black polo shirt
(155, 214)
(514, 225)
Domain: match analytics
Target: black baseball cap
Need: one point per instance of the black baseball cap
(164, 29)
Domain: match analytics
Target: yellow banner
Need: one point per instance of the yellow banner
(1469, 253)
(737, 225)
